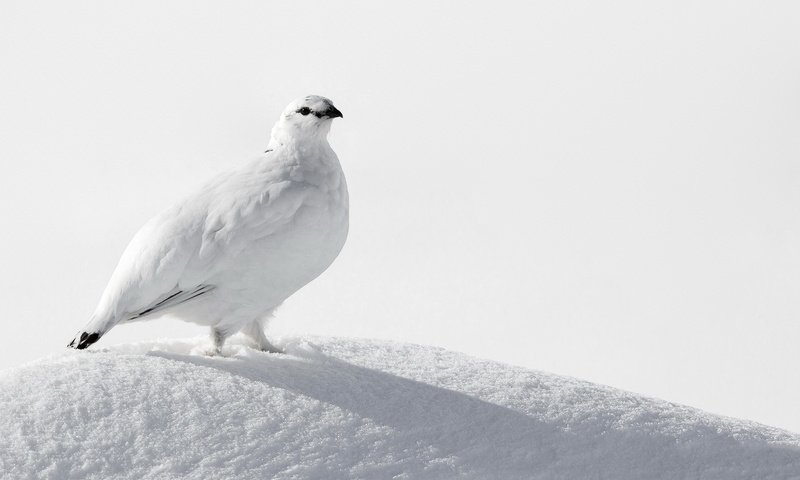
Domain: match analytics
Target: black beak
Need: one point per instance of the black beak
(333, 112)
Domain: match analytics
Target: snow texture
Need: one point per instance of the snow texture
(336, 408)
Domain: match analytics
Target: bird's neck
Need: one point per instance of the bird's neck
(306, 149)
(291, 136)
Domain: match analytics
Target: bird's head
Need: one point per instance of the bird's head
(306, 118)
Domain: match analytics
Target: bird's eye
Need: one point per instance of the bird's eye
(304, 111)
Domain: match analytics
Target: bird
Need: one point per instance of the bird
(230, 253)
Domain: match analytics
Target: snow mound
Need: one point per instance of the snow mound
(336, 408)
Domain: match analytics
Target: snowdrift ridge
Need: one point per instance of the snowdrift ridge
(337, 408)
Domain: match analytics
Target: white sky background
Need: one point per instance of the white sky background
(609, 191)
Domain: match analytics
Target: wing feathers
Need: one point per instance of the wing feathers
(172, 299)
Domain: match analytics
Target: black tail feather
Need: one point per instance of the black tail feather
(84, 340)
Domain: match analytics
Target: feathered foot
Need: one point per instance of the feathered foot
(255, 331)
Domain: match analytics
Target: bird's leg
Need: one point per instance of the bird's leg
(255, 331)
(217, 339)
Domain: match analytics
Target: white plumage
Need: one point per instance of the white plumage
(230, 253)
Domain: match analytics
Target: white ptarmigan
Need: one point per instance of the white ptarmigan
(230, 253)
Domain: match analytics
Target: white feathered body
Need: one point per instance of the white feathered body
(255, 234)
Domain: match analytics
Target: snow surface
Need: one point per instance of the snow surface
(340, 408)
